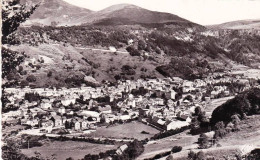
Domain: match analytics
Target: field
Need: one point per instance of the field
(215, 103)
(249, 133)
(63, 150)
(128, 130)
(166, 144)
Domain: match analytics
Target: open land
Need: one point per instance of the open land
(127, 130)
(63, 150)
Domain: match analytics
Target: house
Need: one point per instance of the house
(84, 125)
(46, 105)
(112, 49)
(77, 126)
(57, 121)
(67, 102)
(184, 117)
(187, 86)
(124, 117)
(121, 149)
(47, 124)
(158, 101)
(173, 94)
(90, 114)
(105, 110)
(130, 41)
(175, 124)
(62, 110)
(131, 103)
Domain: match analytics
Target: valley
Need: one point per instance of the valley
(125, 83)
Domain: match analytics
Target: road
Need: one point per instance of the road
(96, 49)
(36, 132)
(102, 50)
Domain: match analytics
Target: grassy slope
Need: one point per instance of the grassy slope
(63, 150)
(110, 63)
(128, 130)
(54, 54)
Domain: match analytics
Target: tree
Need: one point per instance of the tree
(196, 156)
(192, 155)
(31, 78)
(254, 154)
(13, 14)
(203, 141)
(49, 74)
(176, 149)
(32, 97)
(10, 60)
(201, 155)
(220, 125)
(135, 149)
(220, 131)
(141, 45)
(198, 111)
(10, 151)
(235, 121)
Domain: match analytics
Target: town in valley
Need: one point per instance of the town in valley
(126, 83)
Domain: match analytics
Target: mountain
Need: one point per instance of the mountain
(54, 12)
(131, 14)
(241, 24)
(58, 12)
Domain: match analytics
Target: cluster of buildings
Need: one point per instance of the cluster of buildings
(162, 103)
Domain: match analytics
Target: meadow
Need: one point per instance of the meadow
(127, 130)
(66, 149)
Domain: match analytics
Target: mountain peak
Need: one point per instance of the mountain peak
(117, 7)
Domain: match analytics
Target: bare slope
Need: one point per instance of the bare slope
(242, 24)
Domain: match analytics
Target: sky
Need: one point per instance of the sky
(205, 12)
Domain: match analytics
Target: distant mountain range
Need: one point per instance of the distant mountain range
(241, 24)
(60, 13)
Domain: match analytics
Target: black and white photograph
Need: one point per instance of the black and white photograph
(130, 80)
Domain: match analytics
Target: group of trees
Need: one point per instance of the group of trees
(32, 97)
(132, 51)
(128, 70)
(196, 156)
(246, 103)
(221, 129)
(193, 69)
(13, 14)
(199, 122)
(84, 35)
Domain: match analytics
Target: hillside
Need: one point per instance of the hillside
(246, 103)
(151, 54)
(130, 13)
(241, 24)
(54, 12)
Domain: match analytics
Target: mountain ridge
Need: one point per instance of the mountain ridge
(61, 13)
(239, 24)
